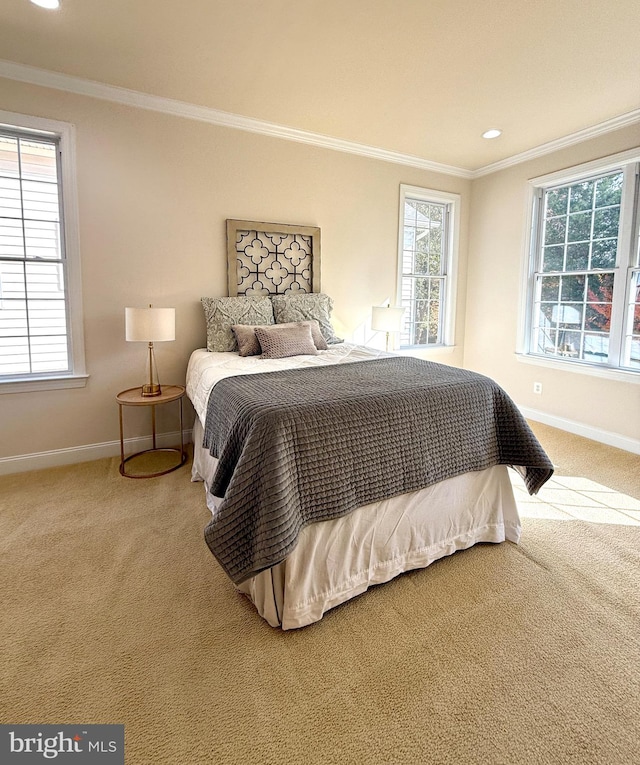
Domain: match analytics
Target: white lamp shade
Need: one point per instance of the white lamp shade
(385, 319)
(150, 325)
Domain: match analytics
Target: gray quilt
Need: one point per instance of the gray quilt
(306, 445)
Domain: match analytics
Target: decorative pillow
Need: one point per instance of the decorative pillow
(316, 334)
(248, 343)
(308, 306)
(278, 341)
(222, 313)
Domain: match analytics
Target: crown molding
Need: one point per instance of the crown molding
(79, 86)
(624, 120)
(70, 84)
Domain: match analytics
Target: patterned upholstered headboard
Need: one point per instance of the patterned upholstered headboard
(272, 258)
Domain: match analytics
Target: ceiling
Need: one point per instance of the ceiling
(418, 77)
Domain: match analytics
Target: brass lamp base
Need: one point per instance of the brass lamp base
(152, 388)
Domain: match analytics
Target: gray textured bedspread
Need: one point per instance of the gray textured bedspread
(305, 445)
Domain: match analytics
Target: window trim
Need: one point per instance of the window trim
(77, 377)
(535, 187)
(451, 259)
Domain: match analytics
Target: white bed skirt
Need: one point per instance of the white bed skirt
(339, 559)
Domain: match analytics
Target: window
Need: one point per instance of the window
(426, 254)
(584, 280)
(40, 310)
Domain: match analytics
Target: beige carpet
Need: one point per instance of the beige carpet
(114, 611)
(576, 456)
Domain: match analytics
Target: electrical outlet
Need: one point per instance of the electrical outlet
(537, 387)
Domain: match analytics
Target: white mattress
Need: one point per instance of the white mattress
(206, 368)
(339, 559)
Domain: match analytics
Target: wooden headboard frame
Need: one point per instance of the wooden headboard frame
(272, 258)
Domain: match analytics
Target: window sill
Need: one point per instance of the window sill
(42, 383)
(621, 375)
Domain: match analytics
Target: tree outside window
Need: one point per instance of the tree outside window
(583, 267)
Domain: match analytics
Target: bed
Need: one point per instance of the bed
(331, 467)
(335, 560)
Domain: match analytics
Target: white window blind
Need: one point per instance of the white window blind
(37, 307)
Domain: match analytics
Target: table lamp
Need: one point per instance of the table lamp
(150, 325)
(387, 319)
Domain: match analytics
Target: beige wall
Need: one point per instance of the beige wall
(154, 193)
(496, 251)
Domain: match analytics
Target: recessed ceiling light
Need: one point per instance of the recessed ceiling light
(493, 133)
(49, 4)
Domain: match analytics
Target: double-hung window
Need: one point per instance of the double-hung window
(40, 309)
(584, 275)
(428, 233)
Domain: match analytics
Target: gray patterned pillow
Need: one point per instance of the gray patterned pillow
(222, 313)
(249, 345)
(309, 306)
(278, 342)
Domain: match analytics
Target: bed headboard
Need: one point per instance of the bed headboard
(272, 258)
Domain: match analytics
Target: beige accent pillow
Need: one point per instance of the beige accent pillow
(318, 338)
(278, 341)
(248, 343)
(245, 335)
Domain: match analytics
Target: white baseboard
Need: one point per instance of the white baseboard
(586, 431)
(39, 460)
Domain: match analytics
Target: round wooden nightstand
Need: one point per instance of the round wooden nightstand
(134, 397)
